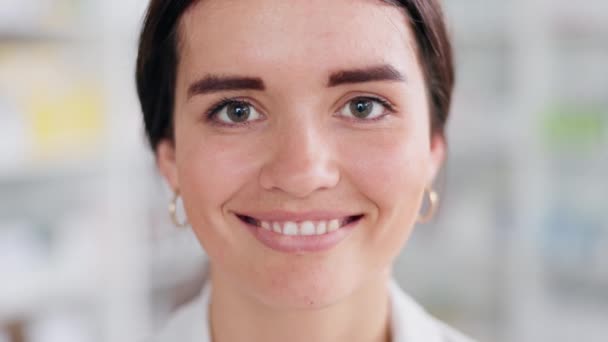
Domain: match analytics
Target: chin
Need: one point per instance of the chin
(311, 289)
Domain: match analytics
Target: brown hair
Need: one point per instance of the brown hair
(158, 57)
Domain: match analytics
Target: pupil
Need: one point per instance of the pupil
(361, 108)
(238, 112)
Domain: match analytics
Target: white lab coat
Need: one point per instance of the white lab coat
(409, 321)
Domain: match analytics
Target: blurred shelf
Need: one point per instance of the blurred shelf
(477, 131)
(477, 23)
(36, 33)
(48, 186)
(472, 37)
(35, 173)
(40, 36)
(23, 295)
(174, 259)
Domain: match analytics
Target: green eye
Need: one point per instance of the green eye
(361, 108)
(233, 112)
(238, 112)
(365, 108)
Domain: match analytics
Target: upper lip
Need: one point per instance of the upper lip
(280, 216)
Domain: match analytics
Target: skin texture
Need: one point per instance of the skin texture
(302, 153)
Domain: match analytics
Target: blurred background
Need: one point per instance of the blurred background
(519, 251)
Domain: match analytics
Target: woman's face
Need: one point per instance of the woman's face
(300, 111)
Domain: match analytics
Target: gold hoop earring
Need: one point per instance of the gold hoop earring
(434, 202)
(173, 211)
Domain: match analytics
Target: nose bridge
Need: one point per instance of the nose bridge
(299, 139)
(302, 159)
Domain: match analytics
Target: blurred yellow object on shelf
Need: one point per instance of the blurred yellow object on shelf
(58, 97)
(65, 121)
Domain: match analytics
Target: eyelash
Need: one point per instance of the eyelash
(223, 102)
(212, 112)
(385, 103)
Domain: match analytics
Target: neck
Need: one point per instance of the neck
(362, 316)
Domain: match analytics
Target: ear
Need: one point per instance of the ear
(166, 161)
(437, 156)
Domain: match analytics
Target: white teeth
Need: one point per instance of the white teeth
(276, 227)
(290, 228)
(321, 228)
(305, 228)
(333, 225)
(266, 225)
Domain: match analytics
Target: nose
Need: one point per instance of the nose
(301, 162)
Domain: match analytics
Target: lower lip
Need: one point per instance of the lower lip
(298, 244)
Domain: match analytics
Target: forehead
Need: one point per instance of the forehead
(304, 36)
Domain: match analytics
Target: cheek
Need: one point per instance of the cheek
(388, 168)
(211, 170)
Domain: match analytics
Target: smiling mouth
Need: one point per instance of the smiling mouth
(303, 228)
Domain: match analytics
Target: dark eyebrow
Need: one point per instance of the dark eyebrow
(214, 83)
(375, 73)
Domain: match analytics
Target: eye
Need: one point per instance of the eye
(366, 108)
(233, 112)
